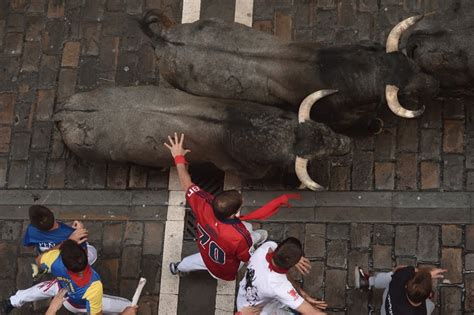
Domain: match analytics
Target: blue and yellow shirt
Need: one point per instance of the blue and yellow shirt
(84, 291)
(45, 240)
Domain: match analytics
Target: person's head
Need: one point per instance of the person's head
(41, 217)
(73, 256)
(288, 253)
(419, 287)
(226, 204)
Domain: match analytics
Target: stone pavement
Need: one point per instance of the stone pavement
(50, 49)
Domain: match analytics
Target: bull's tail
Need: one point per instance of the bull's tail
(161, 21)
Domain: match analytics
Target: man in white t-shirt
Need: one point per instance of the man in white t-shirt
(266, 282)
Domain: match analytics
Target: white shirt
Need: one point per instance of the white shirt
(261, 286)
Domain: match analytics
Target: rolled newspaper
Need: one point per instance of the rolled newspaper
(138, 291)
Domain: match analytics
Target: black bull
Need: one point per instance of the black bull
(130, 124)
(443, 45)
(229, 60)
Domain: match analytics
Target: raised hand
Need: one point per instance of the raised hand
(303, 266)
(79, 235)
(176, 145)
(436, 273)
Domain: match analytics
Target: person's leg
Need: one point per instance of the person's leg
(114, 304)
(192, 263)
(429, 306)
(91, 254)
(258, 236)
(382, 281)
(41, 291)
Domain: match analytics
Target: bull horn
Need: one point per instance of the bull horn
(301, 165)
(308, 102)
(302, 173)
(396, 32)
(391, 94)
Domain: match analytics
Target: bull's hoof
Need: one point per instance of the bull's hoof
(375, 126)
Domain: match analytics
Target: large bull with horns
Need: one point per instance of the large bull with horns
(229, 60)
(443, 45)
(131, 124)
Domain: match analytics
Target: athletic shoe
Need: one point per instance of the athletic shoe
(262, 237)
(174, 268)
(6, 307)
(361, 279)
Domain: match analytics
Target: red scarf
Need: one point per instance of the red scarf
(272, 266)
(270, 208)
(82, 278)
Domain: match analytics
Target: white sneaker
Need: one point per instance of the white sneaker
(262, 237)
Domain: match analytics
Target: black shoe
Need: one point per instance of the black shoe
(361, 279)
(7, 307)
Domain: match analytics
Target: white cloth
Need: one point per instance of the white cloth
(382, 281)
(261, 286)
(48, 289)
(91, 254)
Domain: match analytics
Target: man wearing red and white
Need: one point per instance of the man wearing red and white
(268, 285)
(224, 241)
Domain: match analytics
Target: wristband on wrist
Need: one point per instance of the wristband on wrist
(179, 159)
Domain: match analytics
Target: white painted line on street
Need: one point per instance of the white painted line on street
(244, 12)
(191, 11)
(172, 246)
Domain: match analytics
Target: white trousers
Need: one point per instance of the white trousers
(195, 262)
(382, 281)
(48, 289)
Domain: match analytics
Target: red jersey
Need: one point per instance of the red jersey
(222, 244)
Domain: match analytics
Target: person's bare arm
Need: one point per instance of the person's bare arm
(176, 148)
(308, 309)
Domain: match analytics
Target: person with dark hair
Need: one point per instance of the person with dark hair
(84, 287)
(407, 290)
(267, 283)
(45, 233)
(224, 240)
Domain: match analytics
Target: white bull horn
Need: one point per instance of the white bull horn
(396, 32)
(391, 94)
(308, 102)
(301, 165)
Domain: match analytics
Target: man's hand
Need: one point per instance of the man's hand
(79, 235)
(176, 145)
(436, 273)
(130, 310)
(250, 310)
(57, 302)
(303, 266)
(77, 225)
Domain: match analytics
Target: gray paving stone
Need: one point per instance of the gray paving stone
(150, 198)
(451, 235)
(383, 234)
(428, 243)
(430, 200)
(451, 300)
(469, 262)
(23, 275)
(405, 240)
(337, 231)
(453, 172)
(407, 261)
(95, 197)
(29, 197)
(451, 259)
(294, 230)
(8, 252)
(289, 214)
(337, 254)
(382, 257)
(313, 282)
(469, 294)
(108, 270)
(470, 237)
(10, 230)
(133, 233)
(357, 302)
(151, 269)
(112, 238)
(153, 238)
(335, 293)
(260, 198)
(430, 215)
(131, 261)
(360, 235)
(315, 240)
(346, 214)
(275, 231)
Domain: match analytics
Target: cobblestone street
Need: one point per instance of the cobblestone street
(404, 196)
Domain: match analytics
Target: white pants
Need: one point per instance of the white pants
(382, 281)
(48, 289)
(195, 262)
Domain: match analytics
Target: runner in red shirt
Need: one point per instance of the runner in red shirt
(224, 241)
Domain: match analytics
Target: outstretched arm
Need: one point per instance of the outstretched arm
(178, 153)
